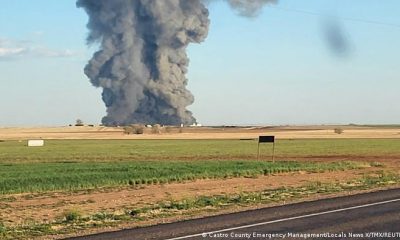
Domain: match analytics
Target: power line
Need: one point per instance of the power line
(344, 18)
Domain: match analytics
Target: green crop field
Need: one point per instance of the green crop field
(144, 150)
(84, 164)
(38, 177)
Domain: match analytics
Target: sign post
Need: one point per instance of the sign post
(266, 139)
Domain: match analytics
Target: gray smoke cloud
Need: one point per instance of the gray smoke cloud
(249, 8)
(142, 61)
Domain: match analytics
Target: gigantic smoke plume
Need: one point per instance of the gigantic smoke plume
(142, 61)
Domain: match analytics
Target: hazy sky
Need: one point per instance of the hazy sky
(278, 68)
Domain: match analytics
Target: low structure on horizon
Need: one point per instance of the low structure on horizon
(36, 143)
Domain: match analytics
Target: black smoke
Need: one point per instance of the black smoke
(142, 61)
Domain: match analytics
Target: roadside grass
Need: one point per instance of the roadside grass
(275, 195)
(42, 177)
(191, 206)
(150, 150)
(71, 215)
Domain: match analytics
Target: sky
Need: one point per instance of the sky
(277, 68)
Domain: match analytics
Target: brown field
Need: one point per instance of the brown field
(288, 132)
(47, 206)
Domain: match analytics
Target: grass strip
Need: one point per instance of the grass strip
(272, 195)
(42, 177)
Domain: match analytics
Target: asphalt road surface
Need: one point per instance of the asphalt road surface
(365, 216)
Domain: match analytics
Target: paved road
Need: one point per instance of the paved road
(368, 215)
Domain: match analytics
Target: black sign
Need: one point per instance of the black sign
(266, 139)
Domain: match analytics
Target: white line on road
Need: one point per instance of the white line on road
(285, 219)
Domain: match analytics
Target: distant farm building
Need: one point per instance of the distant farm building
(36, 143)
